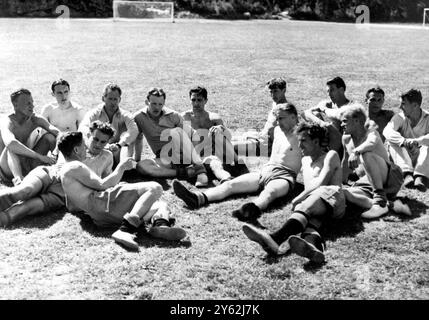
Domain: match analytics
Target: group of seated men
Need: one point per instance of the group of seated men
(346, 152)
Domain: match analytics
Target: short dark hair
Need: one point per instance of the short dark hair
(276, 83)
(338, 81)
(287, 107)
(103, 127)
(59, 82)
(14, 95)
(314, 131)
(68, 140)
(199, 91)
(157, 92)
(112, 87)
(412, 95)
(374, 90)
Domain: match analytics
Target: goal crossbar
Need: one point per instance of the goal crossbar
(143, 10)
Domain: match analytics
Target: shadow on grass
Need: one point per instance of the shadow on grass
(42, 221)
(417, 208)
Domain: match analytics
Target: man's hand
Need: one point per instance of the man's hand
(353, 160)
(216, 129)
(127, 164)
(47, 160)
(113, 147)
(410, 144)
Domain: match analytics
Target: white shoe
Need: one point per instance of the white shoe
(376, 211)
(202, 180)
(401, 208)
(126, 239)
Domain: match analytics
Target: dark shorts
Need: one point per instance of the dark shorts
(107, 208)
(52, 193)
(395, 179)
(270, 172)
(334, 198)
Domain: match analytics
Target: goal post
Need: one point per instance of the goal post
(425, 16)
(143, 10)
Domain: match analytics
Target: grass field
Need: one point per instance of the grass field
(62, 256)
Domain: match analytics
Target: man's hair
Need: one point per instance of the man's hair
(412, 95)
(199, 91)
(68, 140)
(374, 90)
(276, 83)
(14, 95)
(103, 127)
(355, 111)
(59, 82)
(157, 92)
(314, 131)
(287, 107)
(339, 82)
(112, 87)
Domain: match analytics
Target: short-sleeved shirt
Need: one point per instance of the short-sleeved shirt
(122, 121)
(152, 129)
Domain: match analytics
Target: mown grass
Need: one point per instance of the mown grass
(63, 256)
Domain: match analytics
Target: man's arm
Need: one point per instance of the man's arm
(138, 147)
(345, 161)
(43, 123)
(269, 124)
(391, 131)
(330, 165)
(15, 146)
(89, 178)
(46, 111)
(132, 132)
(86, 122)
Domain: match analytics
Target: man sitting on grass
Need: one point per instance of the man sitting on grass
(108, 203)
(159, 124)
(17, 156)
(215, 139)
(275, 179)
(364, 153)
(41, 189)
(257, 145)
(376, 113)
(322, 198)
(407, 135)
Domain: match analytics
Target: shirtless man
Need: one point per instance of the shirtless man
(63, 114)
(376, 113)
(275, 179)
(17, 156)
(364, 152)
(215, 138)
(41, 189)
(121, 121)
(261, 143)
(322, 197)
(108, 203)
(327, 112)
(159, 125)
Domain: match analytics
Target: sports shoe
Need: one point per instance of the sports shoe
(261, 237)
(4, 219)
(376, 211)
(401, 208)
(419, 183)
(202, 180)
(248, 211)
(6, 200)
(305, 249)
(125, 238)
(408, 180)
(191, 199)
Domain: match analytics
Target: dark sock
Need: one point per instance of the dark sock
(380, 197)
(247, 212)
(161, 222)
(291, 227)
(127, 227)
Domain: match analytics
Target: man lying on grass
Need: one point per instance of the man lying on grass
(274, 180)
(108, 203)
(322, 198)
(41, 189)
(214, 141)
(364, 153)
(17, 155)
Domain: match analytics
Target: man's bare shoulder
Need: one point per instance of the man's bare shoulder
(332, 156)
(72, 168)
(214, 116)
(187, 115)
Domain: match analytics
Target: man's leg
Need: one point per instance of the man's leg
(402, 158)
(29, 207)
(309, 245)
(358, 197)
(216, 165)
(155, 168)
(421, 169)
(247, 183)
(45, 144)
(11, 166)
(376, 171)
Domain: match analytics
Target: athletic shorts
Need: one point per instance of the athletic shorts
(334, 198)
(270, 172)
(395, 179)
(108, 207)
(52, 193)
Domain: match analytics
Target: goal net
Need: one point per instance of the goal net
(127, 10)
(425, 16)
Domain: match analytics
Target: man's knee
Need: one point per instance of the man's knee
(146, 166)
(155, 188)
(50, 139)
